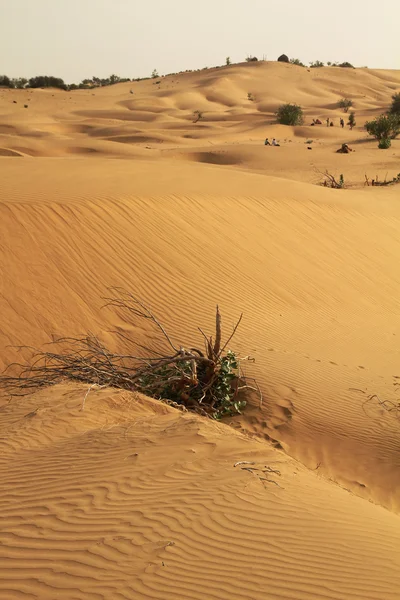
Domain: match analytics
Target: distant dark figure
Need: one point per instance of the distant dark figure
(341, 123)
(267, 143)
(327, 122)
(275, 143)
(318, 122)
(345, 149)
(331, 124)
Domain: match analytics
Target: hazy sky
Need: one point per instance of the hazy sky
(74, 39)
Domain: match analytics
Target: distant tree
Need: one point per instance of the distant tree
(290, 114)
(329, 63)
(155, 74)
(228, 61)
(251, 59)
(345, 103)
(19, 83)
(297, 61)
(345, 65)
(44, 81)
(5, 81)
(385, 127)
(395, 108)
(317, 64)
(352, 120)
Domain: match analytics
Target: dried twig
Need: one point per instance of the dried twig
(207, 383)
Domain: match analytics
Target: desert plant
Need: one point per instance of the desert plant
(395, 108)
(209, 382)
(19, 83)
(290, 114)
(155, 74)
(345, 103)
(329, 180)
(317, 64)
(250, 97)
(352, 120)
(345, 65)
(228, 61)
(5, 81)
(384, 127)
(251, 59)
(45, 81)
(376, 182)
(297, 61)
(384, 143)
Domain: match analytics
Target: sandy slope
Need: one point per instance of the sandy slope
(94, 507)
(315, 272)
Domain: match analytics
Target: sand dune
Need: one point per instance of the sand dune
(94, 507)
(131, 498)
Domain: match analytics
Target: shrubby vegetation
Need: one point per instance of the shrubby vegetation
(345, 103)
(345, 65)
(297, 61)
(384, 128)
(206, 379)
(384, 143)
(316, 64)
(5, 81)
(19, 83)
(290, 114)
(352, 120)
(395, 108)
(46, 81)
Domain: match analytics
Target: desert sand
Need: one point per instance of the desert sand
(131, 498)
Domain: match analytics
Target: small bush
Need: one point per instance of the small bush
(208, 381)
(228, 61)
(384, 127)
(395, 108)
(250, 97)
(384, 143)
(345, 103)
(345, 65)
(317, 64)
(155, 74)
(290, 114)
(252, 59)
(297, 61)
(352, 120)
